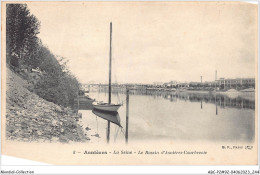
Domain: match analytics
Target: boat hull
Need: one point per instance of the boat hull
(106, 107)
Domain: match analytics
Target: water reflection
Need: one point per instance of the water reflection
(106, 115)
(109, 116)
(179, 116)
(112, 117)
(91, 118)
(242, 102)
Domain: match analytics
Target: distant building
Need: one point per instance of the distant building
(158, 84)
(171, 84)
(195, 84)
(222, 83)
(182, 85)
(237, 83)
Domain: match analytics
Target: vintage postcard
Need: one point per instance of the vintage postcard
(130, 83)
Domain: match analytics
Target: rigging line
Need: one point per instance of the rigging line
(98, 92)
(115, 129)
(115, 76)
(118, 97)
(122, 131)
(116, 133)
(97, 124)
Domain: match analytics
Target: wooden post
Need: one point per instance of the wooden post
(216, 104)
(108, 131)
(216, 109)
(127, 114)
(78, 104)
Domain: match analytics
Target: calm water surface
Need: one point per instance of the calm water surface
(156, 115)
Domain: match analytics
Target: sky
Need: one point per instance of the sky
(151, 41)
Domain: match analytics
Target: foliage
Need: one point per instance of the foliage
(21, 35)
(57, 85)
(25, 51)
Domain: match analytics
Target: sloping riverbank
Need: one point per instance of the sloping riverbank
(31, 118)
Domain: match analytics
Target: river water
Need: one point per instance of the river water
(175, 117)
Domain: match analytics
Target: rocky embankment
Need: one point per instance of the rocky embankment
(31, 118)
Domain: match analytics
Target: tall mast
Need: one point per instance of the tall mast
(110, 65)
(109, 86)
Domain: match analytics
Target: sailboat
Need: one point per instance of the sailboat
(108, 106)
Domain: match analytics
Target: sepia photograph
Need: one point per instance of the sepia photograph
(130, 83)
